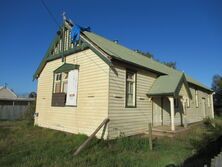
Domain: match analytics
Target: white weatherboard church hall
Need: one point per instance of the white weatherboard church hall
(80, 85)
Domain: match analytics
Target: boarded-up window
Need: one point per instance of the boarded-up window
(130, 89)
(58, 99)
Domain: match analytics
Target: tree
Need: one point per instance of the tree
(217, 82)
(171, 64)
(32, 95)
(147, 54)
(217, 97)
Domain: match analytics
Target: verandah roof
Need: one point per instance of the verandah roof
(169, 85)
(66, 67)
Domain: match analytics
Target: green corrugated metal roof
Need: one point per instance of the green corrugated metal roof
(66, 67)
(122, 53)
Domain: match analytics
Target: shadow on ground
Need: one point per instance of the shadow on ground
(203, 156)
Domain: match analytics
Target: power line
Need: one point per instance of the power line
(50, 13)
(56, 22)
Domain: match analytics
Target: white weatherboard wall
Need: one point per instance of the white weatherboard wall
(194, 113)
(92, 100)
(101, 94)
(129, 121)
(190, 115)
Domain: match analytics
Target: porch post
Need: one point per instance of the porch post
(212, 105)
(171, 99)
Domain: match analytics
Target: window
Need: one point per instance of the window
(196, 98)
(64, 82)
(61, 81)
(58, 79)
(188, 102)
(208, 100)
(65, 85)
(130, 89)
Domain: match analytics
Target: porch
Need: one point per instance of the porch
(166, 130)
(168, 116)
(169, 95)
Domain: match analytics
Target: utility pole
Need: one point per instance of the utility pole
(63, 37)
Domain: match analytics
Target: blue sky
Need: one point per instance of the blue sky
(188, 32)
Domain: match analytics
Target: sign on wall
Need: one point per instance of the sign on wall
(72, 88)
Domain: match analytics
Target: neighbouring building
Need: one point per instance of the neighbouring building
(79, 85)
(11, 106)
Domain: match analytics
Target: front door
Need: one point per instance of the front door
(204, 107)
(165, 112)
(156, 112)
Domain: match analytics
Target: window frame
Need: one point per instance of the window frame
(196, 98)
(62, 80)
(135, 89)
(55, 81)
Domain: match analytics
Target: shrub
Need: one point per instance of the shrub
(212, 133)
(209, 122)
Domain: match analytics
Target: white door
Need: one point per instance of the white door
(72, 88)
(204, 107)
(156, 112)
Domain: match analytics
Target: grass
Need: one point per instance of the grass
(22, 144)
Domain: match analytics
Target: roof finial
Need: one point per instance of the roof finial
(64, 16)
(67, 19)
